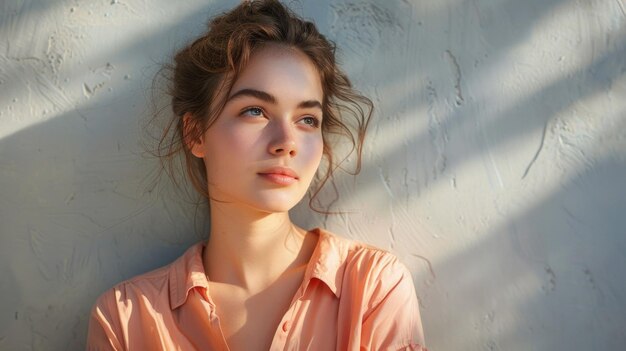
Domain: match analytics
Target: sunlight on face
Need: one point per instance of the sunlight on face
(265, 147)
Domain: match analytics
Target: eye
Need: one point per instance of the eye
(311, 121)
(252, 112)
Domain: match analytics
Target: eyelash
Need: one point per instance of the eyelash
(316, 122)
(248, 109)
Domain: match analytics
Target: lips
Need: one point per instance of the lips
(279, 175)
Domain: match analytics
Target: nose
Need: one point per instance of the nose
(283, 141)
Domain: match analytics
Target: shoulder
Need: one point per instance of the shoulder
(113, 310)
(153, 286)
(368, 268)
(145, 285)
(140, 302)
(359, 255)
(381, 298)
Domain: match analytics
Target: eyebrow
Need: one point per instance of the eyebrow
(261, 95)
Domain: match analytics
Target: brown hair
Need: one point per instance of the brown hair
(212, 63)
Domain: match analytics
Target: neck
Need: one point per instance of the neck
(251, 249)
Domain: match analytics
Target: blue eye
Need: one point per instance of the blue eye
(253, 112)
(311, 121)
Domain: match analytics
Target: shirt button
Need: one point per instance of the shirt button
(286, 326)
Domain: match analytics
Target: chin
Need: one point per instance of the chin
(275, 204)
(275, 207)
(275, 201)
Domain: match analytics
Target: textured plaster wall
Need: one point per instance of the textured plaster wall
(497, 154)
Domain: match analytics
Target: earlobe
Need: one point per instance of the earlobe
(197, 150)
(192, 143)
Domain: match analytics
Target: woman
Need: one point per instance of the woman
(255, 101)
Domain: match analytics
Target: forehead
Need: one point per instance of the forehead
(281, 71)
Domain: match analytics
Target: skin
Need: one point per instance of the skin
(256, 257)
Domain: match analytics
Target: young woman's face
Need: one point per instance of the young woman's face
(266, 145)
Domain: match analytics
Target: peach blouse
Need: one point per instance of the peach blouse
(353, 297)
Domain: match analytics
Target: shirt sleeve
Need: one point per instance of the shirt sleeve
(393, 322)
(105, 332)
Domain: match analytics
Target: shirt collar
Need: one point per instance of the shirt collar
(186, 273)
(328, 261)
(327, 264)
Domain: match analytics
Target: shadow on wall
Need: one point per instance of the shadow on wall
(76, 215)
(544, 276)
(462, 127)
(77, 211)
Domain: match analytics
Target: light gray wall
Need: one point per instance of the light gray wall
(497, 154)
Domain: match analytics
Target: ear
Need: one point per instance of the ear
(193, 143)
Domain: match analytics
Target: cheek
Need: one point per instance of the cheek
(316, 150)
(227, 143)
(223, 155)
